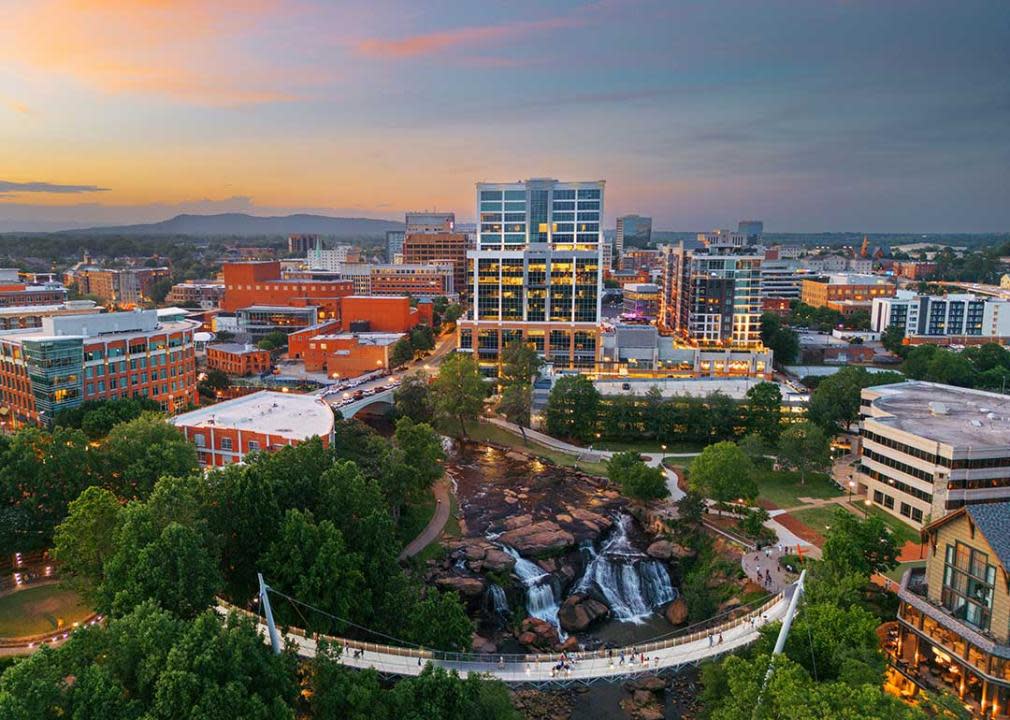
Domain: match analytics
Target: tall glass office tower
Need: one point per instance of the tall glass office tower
(536, 272)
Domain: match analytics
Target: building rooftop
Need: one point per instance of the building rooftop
(364, 338)
(964, 419)
(993, 519)
(288, 415)
(235, 348)
(280, 308)
(857, 279)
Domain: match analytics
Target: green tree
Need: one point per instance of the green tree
(422, 449)
(459, 391)
(422, 339)
(516, 404)
(755, 447)
(834, 405)
(144, 449)
(951, 368)
(520, 363)
(97, 417)
(764, 411)
(893, 339)
(437, 693)
(177, 571)
(40, 474)
(573, 408)
(781, 340)
(84, 540)
(723, 472)
(438, 620)
(804, 446)
(273, 341)
(402, 352)
(341, 693)
(452, 313)
(216, 381)
(859, 545)
(310, 562)
(691, 508)
(413, 398)
(635, 478)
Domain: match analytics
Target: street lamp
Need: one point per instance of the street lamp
(663, 459)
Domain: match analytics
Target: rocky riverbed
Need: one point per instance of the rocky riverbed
(551, 559)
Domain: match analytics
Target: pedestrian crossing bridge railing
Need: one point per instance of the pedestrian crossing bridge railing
(687, 647)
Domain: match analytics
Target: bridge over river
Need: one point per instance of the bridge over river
(688, 648)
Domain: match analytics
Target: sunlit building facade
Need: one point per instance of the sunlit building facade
(536, 272)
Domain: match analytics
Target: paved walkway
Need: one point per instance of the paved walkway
(758, 564)
(437, 523)
(587, 666)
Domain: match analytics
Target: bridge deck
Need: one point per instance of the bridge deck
(539, 669)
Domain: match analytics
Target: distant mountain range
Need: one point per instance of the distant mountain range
(249, 225)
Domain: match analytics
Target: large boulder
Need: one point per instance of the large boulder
(660, 549)
(676, 612)
(538, 633)
(539, 538)
(517, 521)
(481, 644)
(578, 612)
(468, 587)
(496, 560)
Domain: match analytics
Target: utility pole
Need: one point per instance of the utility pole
(780, 643)
(275, 639)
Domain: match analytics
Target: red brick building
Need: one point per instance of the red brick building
(238, 359)
(260, 283)
(106, 356)
(261, 422)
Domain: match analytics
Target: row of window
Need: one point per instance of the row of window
(897, 484)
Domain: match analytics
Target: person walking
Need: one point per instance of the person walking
(621, 662)
(720, 638)
(710, 640)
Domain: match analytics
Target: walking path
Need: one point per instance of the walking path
(762, 566)
(437, 523)
(581, 453)
(542, 669)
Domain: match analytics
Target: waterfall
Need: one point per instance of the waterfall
(497, 601)
(632, 584)
(541, 598)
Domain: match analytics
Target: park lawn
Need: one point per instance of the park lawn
(35, 611)
(818, 519)
(783, 489)
(901, 532)
(415, 518)
(492, 433)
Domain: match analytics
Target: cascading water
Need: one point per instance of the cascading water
(541, 597)
(497, 602)
(632, 584)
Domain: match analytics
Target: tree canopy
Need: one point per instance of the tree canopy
(723, 472)
(459, 392)
(572, 408)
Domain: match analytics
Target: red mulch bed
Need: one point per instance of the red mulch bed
(766, 504)
(800, 529)
(911, 551)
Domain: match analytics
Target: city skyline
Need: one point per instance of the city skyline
(880, 117)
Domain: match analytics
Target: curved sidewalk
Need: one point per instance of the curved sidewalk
(437, 523)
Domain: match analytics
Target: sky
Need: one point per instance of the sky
(813, 115)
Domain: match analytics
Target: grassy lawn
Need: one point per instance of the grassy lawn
(492, 433)
(35, 611)
(784, 490)
(817, 519)
(901, 532)
(415, 518)
(649, 447)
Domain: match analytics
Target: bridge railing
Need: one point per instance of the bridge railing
(488, 661)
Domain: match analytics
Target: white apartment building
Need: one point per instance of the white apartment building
(332, 259)
(951, 315)
(928, 449)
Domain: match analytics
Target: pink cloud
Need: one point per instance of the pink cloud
(437, 42)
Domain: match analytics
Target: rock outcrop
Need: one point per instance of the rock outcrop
(676, 612)
(538, 634)
(468, 587)
(578, 612)
(539, 538)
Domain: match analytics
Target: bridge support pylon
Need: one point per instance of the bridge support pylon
(275, 639)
